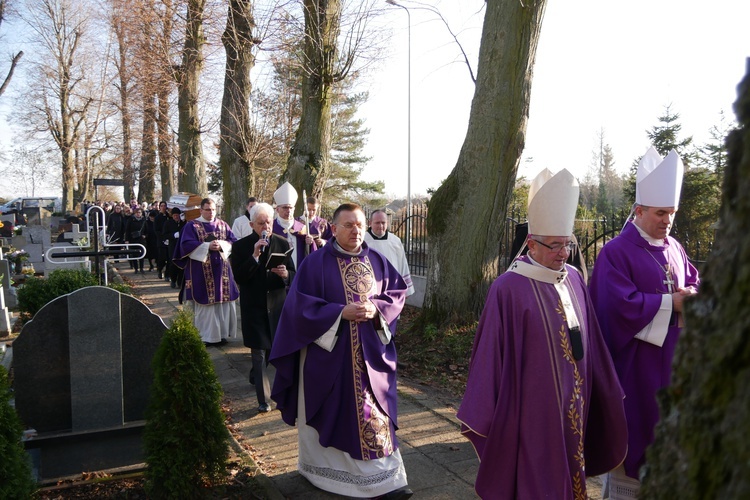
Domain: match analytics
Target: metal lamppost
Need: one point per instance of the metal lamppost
(408, 125)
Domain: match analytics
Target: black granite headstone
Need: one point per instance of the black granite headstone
(82, 372)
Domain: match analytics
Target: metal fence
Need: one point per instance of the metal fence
(592, 235)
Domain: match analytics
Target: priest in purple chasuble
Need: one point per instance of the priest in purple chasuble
(543, 406)
(203, 253)
(336, 364)
(286, 226)
(639, 282)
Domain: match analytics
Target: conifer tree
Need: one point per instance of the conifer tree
(185, 440)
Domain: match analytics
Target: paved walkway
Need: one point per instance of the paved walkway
(440, 463)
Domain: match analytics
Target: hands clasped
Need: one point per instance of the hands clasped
(359, 311)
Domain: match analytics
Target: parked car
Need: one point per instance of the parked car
(19, 206)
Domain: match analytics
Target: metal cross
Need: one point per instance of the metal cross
(98, 246)
(668, 281)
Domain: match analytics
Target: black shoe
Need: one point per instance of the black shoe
(223, 341)
(174, 285)
(159, 275)
(399, 494)
(265, 408)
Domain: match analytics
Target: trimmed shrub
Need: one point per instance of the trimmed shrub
(185, 439)
(16, 480)
(37, 292)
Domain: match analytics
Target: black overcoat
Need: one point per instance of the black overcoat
(262, 292)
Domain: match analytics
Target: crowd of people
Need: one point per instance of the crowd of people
(563, 374)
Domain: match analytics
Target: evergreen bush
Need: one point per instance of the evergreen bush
(185, 439)
(37, 292)
(16, 480)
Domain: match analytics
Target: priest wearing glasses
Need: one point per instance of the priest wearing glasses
(336, 364)
(638, 287)
(543, 406)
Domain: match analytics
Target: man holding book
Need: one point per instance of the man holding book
(263, 268)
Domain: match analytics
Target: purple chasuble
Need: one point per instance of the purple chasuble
(209, 282)
(627, 286)
(540, 420)
(350, 392)
(298, 231)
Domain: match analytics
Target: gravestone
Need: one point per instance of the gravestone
(38, 241)
(9, 292)
(83, 374)
(5, 325)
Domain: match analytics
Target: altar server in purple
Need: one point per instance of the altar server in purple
(336, 364)
(543, 406)
(203, 252)
(639, 282)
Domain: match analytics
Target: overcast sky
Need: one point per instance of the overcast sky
(600, 65)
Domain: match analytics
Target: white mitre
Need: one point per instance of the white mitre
(658, 182)
(285, 195)
(553, 201)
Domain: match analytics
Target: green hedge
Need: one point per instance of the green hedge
(37, 292)
(16, 480)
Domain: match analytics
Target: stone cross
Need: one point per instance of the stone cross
(75, 234)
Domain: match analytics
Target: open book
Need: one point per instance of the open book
(276, 259)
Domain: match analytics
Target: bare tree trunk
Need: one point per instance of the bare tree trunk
(123, 87)
(189, 135)
(236, 135)
(701, 445)
(468, 211)
(308, 163)
(147, 170)
(166, 81)
(166, 160)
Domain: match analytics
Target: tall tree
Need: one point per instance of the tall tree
(192, 163)
(124, 68)
(60, 25)
(324, 64)
(478, 190)
(701, 448)
(308, 158)
(165, 84)
(348, 139)
(235, 143)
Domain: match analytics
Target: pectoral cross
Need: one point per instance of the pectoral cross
(668, 275)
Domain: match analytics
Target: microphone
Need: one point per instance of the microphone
(263, 236)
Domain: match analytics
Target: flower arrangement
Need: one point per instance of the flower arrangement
(28, 269)
(17, 256)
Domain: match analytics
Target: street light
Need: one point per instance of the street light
(408, 126)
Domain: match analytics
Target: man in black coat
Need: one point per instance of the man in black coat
(262, 292)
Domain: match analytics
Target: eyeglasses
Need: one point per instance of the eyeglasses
(557, 247)
(285, 207)
(350, 225)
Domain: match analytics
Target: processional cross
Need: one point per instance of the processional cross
(98, 246)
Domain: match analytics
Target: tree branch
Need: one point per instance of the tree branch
(13, 64)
